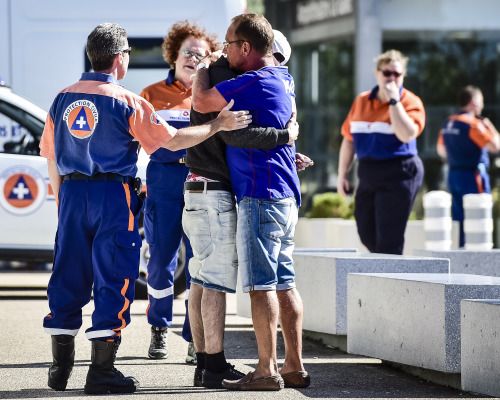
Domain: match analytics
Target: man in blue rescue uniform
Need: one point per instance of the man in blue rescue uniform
(90, 140)
(464, 141)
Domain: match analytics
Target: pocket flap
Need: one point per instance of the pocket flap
(128, 240)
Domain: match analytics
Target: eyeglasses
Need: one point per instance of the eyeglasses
(190, 53)
(388, 73)
(226, 44)
(127, 50)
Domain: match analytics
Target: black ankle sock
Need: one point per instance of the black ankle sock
(201, 360)
(216, 362)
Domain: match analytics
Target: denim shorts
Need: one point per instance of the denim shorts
(265, 243)
(209, 221)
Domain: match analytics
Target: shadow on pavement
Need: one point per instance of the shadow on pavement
(335, 374)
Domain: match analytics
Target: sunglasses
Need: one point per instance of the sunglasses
(388, 73)
(190, 53)
(127, 50)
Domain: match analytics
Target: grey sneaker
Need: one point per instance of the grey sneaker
(159, 345)
(191, 355)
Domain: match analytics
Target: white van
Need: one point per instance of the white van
(44, 44)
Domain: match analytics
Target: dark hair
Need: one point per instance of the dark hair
(103, 43)
(466, 94)
(179, 32)
(255, 29)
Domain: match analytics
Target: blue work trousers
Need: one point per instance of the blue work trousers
(462, 182)
(163, 229)
(384, 199)
(97, 245)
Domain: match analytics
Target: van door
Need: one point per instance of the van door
(28, 214)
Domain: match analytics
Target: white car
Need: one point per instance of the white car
(28, 215)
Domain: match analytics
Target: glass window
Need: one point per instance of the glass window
(324, 82)
(20, 132)
(146, 64)
(440, 64)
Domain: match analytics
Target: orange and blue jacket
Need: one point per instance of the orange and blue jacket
(172, 101)
(368, 126)
(465, 137)
(96, 126)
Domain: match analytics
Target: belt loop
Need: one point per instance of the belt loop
(205, 185)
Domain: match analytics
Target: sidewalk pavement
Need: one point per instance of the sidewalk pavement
(25, 357)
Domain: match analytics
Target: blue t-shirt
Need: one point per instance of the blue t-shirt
(263, 174)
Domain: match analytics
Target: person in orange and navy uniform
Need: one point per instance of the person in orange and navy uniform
(381, 130)
(91, 139)
(464, 141)
(184, 47)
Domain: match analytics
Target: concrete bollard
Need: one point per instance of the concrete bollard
(478, 221)
(437, 220)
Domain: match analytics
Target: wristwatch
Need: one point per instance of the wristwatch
(393, 102)
(201, 65)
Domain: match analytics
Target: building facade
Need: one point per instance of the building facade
(451, 43)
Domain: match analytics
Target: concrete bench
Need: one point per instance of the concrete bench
(468, 262)
(481, 346)
(412, 319)
(335, 232)
(322, 283)
(243, 308)
(325, 250)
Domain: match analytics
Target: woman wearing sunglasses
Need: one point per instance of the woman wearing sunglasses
(381, 130)
(183, 48)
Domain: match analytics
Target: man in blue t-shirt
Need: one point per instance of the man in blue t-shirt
(266, 186)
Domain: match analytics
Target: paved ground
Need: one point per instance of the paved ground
(25, 357)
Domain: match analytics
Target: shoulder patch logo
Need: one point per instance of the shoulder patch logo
(156, 119)
(23, 190)
(81, 118)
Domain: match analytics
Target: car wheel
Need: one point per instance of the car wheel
(141, 287)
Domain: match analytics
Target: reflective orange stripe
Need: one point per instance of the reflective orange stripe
(125, 306)
(130, 215)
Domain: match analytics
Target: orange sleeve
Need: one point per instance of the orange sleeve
(480, 134)
(416, 112)
(148, 127)
(47, 140)
(345, 130)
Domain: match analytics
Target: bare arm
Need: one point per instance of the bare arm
(225, 121)
(441, 150)
(440, 146)
(404, 127)
(54, 177)
(205, 99)
(494, 145)
(345, 160)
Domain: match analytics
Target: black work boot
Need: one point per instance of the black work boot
(103, 377)
(63, 353)
(158, 348)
